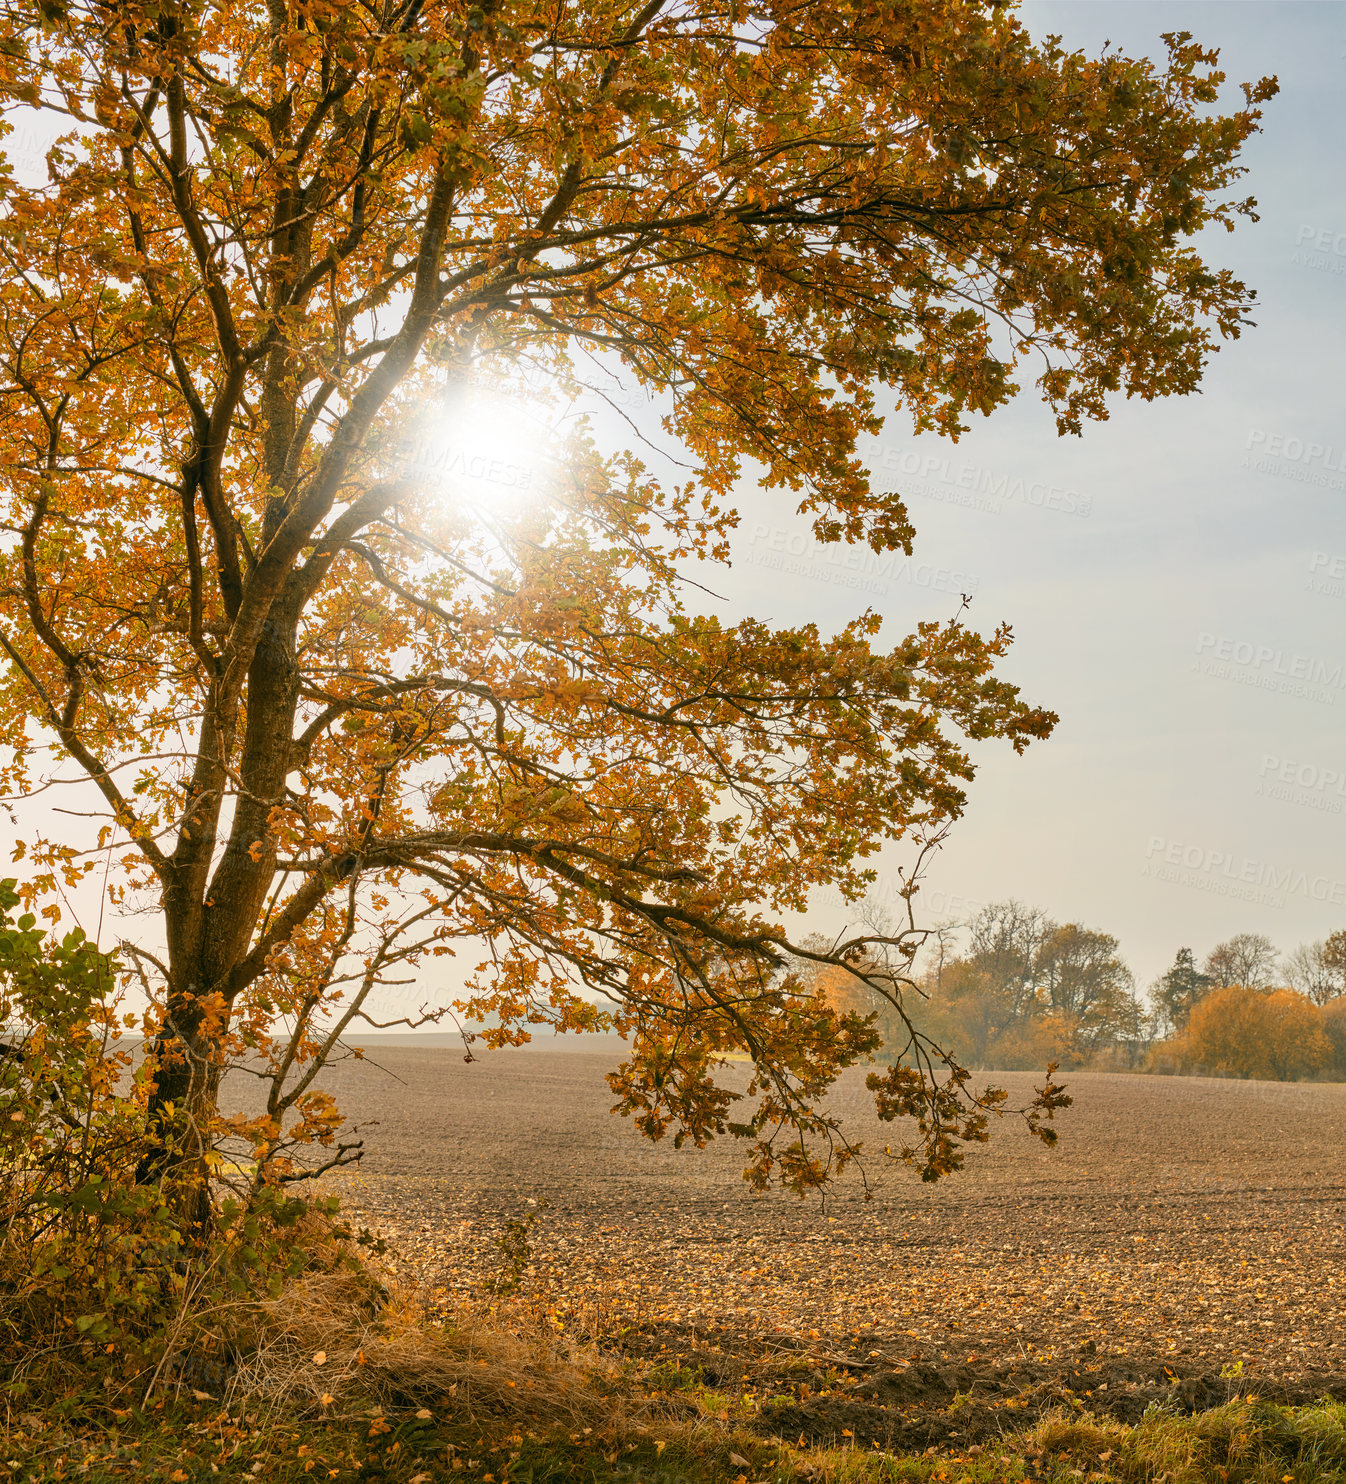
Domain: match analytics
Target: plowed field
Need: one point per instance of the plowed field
(1183, 1227)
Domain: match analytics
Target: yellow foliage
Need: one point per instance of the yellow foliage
(1239, 1032)
(289, 450)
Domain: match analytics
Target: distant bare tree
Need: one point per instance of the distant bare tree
(1247, 959)
(1005, 943)
(1312, 969)
(940, 948)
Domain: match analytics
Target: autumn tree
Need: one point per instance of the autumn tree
(1334, 1024)
(1086, 983)
(1028, 989)
(340, 707)
(968, 1011)
(1334, 958)
(863, 995)
(1004, 954)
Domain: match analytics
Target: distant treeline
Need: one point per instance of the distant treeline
(1012, 988)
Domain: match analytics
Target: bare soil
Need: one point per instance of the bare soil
(1183, 1228)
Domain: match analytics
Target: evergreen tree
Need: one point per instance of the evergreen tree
(1178, 990)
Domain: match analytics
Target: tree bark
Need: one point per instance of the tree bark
(179, 1116)
(215, 936)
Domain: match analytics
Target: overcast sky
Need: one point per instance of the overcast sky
(1176, 578)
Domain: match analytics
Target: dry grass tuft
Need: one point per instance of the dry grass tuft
(328, 1341)
(1065, 1432)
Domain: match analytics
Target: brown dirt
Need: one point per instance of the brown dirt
(1182, 1226)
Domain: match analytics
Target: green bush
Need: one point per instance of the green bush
(97, 1271)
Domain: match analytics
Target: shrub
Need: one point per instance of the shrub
(1240, 1032)
(1033, 1043)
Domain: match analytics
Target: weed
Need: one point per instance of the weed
(515, 1246)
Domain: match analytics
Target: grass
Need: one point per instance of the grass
(396, 1417)
(173, 1442)
(348, 1379)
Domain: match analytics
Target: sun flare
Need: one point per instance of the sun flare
(481, 450)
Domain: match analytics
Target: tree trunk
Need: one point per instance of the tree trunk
(209, 938)
(181, 1109)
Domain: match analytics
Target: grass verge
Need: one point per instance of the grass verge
(346, 1378)
(174, 1441)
